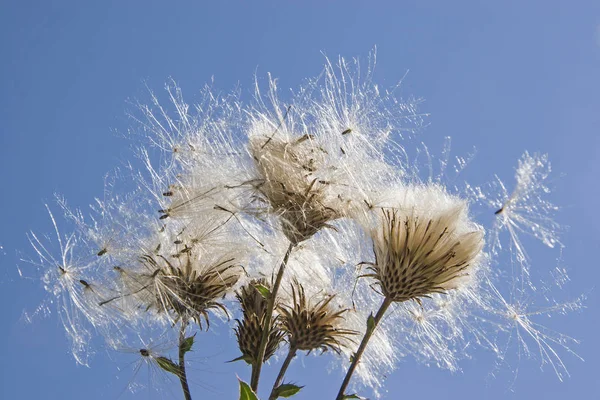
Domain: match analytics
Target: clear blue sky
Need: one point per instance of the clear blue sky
(521, 76)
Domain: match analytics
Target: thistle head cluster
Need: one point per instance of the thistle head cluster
(336, 159)
(250, 329)
(313, 325)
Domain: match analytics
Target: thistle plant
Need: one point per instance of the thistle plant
(307, 219)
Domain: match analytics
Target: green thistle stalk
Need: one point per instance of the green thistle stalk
(256, 367)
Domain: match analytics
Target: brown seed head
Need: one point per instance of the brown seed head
(250, 329)
(418, 255)
(289, 186)
(309, 327)
(186, 287)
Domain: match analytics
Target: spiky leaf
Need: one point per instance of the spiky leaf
(168, 365)
(263, 290)
(188, 343)
(240, 358)
(287, 390)
(246, 393)
(370, 323)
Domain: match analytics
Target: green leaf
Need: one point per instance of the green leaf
(167, 365)
(352, 396)
(263, 290)
(187, 344)
(246, 392)
(370, 323)
(287, 390)
(248, 359)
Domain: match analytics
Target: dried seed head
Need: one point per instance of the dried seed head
(423, 251)
(250, 329)
(183, 286)
(288, 184)
(309, 327)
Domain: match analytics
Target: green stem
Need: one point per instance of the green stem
(363, 345)
(256, 367)
(182, 375)
(284, 367)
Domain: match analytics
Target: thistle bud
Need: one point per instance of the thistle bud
(250, 329)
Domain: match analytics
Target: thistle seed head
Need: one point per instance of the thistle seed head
(313, 326)
(422, 251)
(184, 286)
(250, 329)
(288, 184)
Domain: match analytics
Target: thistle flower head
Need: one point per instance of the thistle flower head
(184, 286)
(313, 326)
(250, 329)
(287, 182)
(425, 247)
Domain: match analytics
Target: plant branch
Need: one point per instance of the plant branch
(256, 367)
(284, 367)
(182, 375)
(371, 325)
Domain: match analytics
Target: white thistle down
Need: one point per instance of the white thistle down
(526, 209)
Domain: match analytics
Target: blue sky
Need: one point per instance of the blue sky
(503, 78)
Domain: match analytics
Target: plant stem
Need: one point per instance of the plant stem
(363, 345)
(284, 367)
(268, 320)
(182, 375)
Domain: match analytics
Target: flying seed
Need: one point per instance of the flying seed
(186, 250)
(102, 252)
(347, 131)
(144, 352)
(167, 194)
(304, 138)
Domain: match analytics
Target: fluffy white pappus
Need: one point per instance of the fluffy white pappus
(355, 114)
(521, 333)
(115, 226)
(190, 270)
(199, 155)
(185, 134)
(68, 275)
(526, 209)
